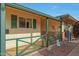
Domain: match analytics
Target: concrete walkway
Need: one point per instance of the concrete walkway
(67, 49)
(75, 51)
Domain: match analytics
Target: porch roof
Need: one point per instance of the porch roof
(20, 7)
(66, 15)
(67, 18)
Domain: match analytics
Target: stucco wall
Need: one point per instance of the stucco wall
(24, 14)
(53, 25)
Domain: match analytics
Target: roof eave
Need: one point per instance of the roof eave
(29, 9)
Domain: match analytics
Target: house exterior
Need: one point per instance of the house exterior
(25, 22)
(22, 23)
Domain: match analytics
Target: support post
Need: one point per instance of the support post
(2, 30)
(62, 28)
(46, 31)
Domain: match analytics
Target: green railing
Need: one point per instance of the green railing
(39, 38)
(51, 41)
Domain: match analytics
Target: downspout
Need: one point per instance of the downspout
(2, 30)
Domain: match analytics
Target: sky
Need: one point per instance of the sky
(55, 9)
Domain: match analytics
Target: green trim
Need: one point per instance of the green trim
(46, 31)
(2, 30)
(24, 41)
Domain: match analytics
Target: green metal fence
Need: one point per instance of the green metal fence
(32, 46)
(53, 37)
(37, 44)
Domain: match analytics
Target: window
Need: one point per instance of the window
(13, 21)
(21, 22)
(34, 23)
(28, 23)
